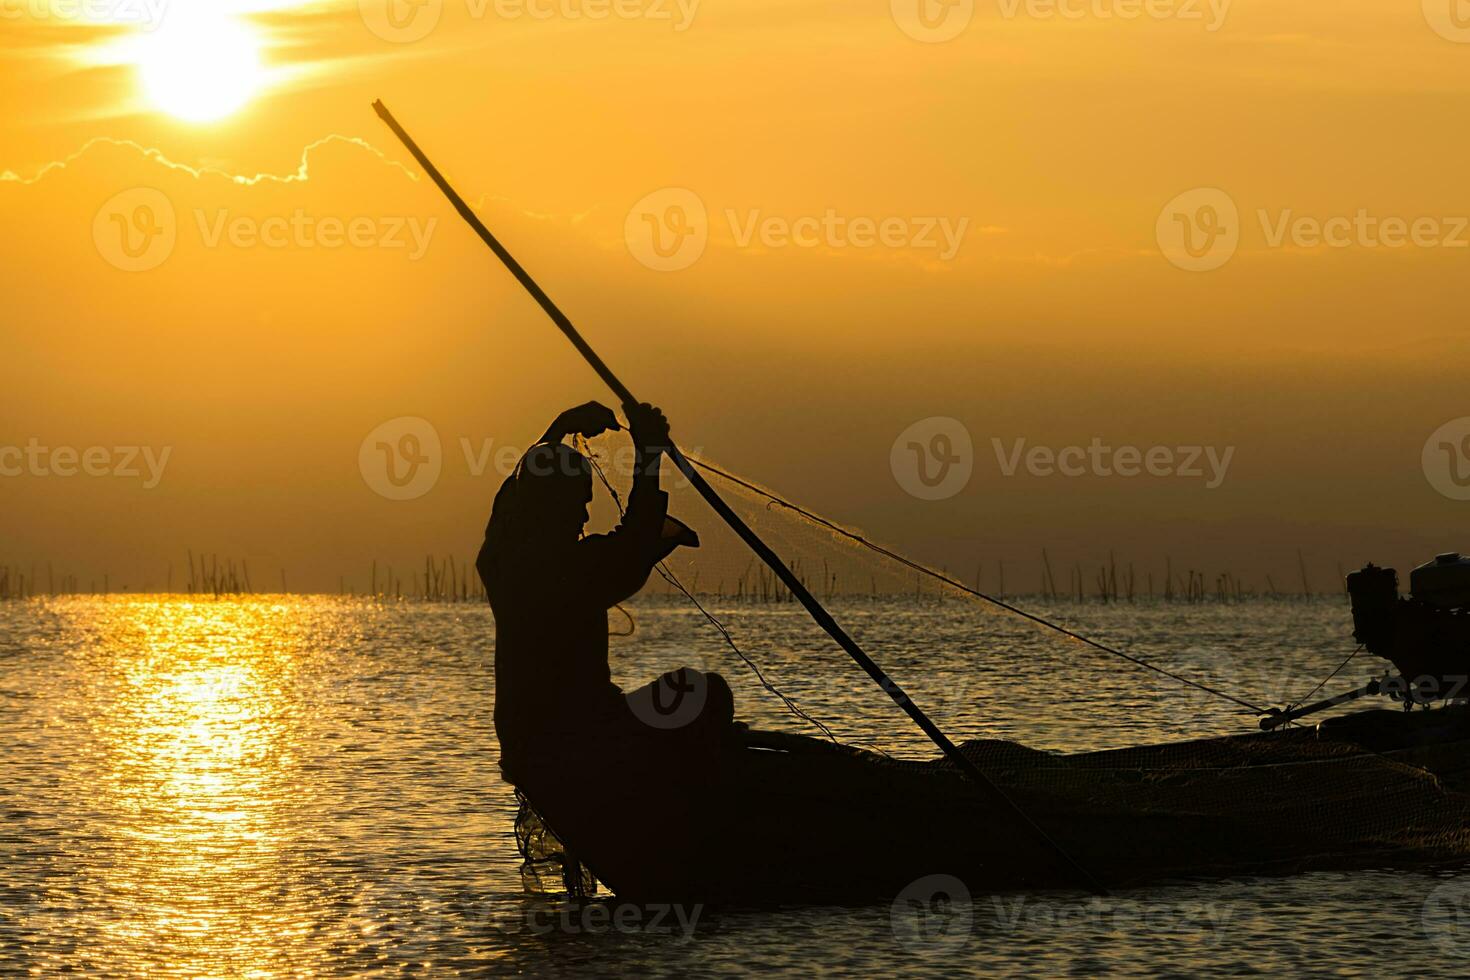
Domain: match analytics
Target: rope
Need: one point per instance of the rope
(668, 576)
(1323, 682)
(941, 577)
(632, 623)
(791, 705)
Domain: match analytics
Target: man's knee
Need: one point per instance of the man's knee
(717, 701)
(720, 700)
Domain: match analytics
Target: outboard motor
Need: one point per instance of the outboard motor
(1444, 582)
(1374, 593)
(1425, 636)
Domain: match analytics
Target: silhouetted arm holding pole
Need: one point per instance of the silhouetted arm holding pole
(589, 420)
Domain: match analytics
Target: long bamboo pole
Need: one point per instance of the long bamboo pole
(817, 611)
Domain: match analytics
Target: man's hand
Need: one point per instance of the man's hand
(649, 428)
(589, 420)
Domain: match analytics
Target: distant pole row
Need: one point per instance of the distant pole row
(445, 579)
(440, 580)
(1109, 582)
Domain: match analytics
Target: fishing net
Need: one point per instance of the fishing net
(1287, 801)
(989, 662)
(546, 865)
(1051, 705)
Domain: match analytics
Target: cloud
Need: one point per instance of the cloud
(302, 172)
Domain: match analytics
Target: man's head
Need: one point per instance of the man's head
(555, 490)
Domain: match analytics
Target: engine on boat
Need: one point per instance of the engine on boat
(1426, 635)
(1444, 582)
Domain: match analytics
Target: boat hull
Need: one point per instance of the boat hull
(788, 819)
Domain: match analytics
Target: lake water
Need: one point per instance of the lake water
(298, 786)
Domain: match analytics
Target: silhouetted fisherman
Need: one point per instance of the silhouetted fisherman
(550, 588)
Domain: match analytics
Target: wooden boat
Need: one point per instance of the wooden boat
(791, 819)
(785, 818)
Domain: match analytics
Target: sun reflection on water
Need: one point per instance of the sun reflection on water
(247, 786)
(196, 772)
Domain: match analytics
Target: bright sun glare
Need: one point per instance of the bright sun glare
(200, 66)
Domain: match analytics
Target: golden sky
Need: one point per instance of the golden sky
(802, 227)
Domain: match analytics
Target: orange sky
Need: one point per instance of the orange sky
(895, 226)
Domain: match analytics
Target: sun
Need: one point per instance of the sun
(200, 66)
